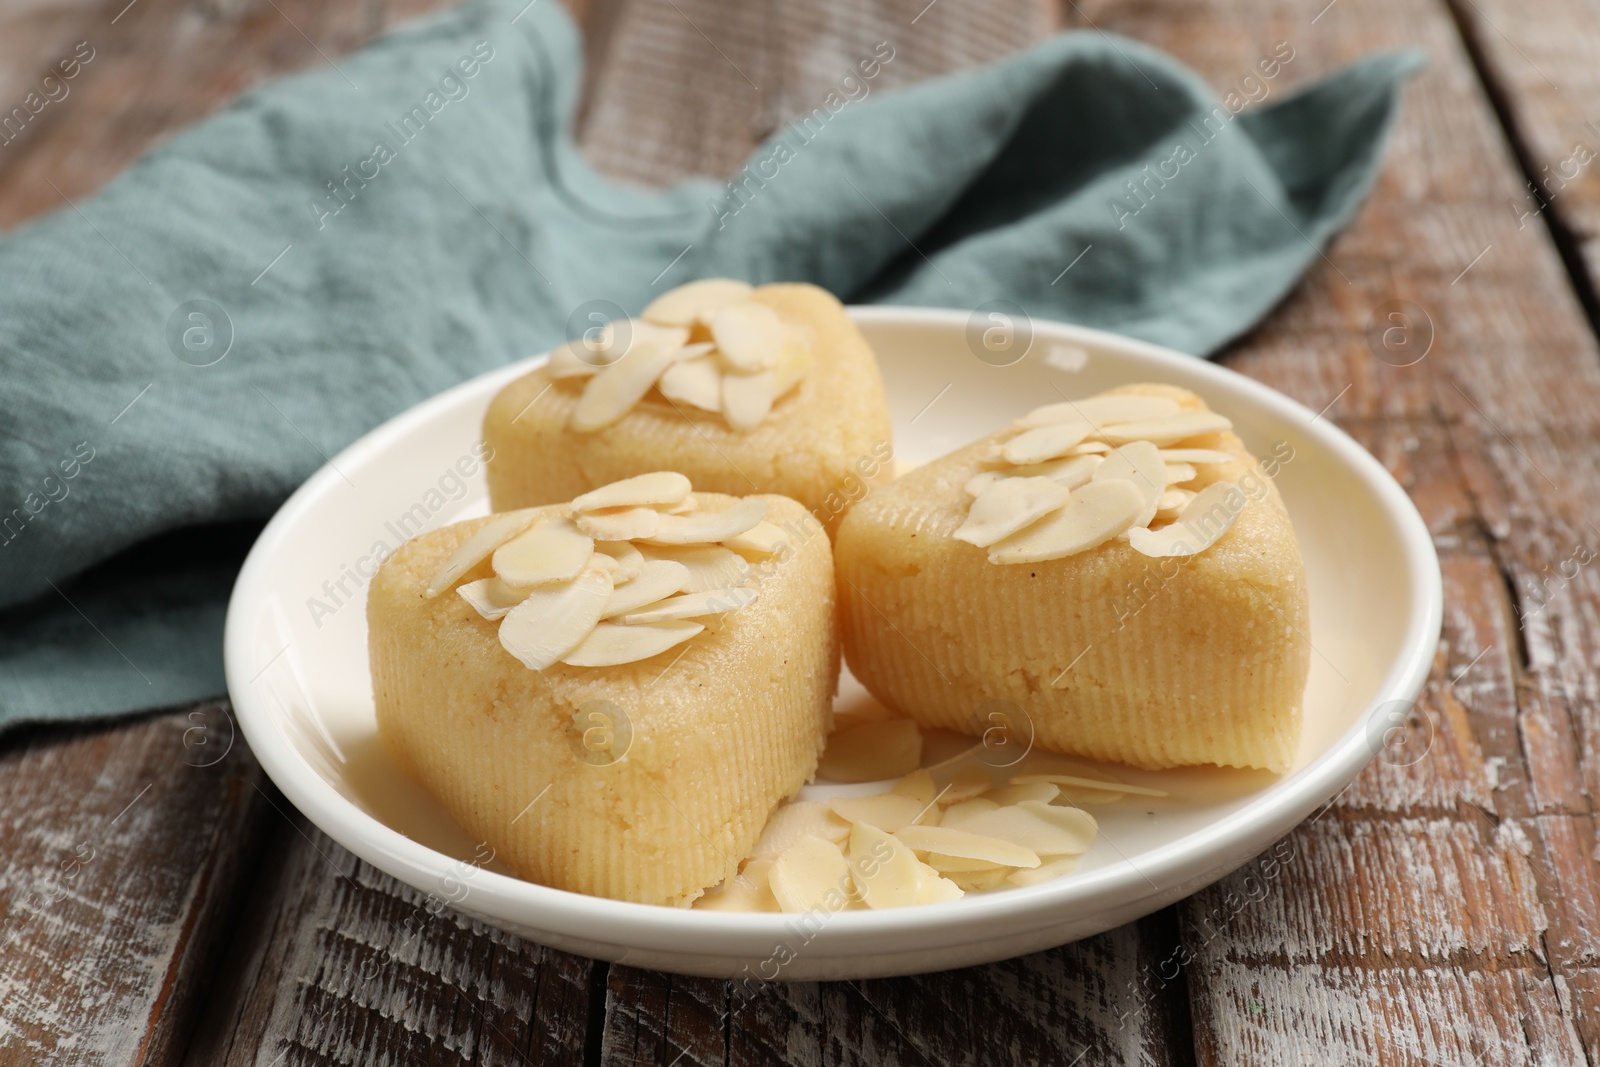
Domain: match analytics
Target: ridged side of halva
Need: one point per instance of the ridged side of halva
(723, 728)
(1111, 654)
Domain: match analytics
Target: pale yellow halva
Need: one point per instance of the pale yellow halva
(1107, 653)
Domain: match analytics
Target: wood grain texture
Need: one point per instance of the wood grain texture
(336, 963)
(123, 864)
(1092, 1003)
(1456, 886)
(156, 67)
(691, 86)
(1096, 1002)
(1542, 74)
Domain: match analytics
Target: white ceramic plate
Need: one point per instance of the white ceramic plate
(297, 669)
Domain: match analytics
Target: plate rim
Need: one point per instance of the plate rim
(1179, 867)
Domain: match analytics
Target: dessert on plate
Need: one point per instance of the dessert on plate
(742, 389)
(1119, 568)
(616, 692)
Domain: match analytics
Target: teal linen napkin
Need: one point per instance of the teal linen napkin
(185, 347)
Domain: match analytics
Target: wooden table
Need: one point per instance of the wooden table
(161, 902)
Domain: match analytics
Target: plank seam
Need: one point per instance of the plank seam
(1562, 235)
(594, 1035)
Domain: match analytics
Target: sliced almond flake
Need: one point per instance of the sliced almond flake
(710, 566)
(553, 551)
(1043, 792)
(1048, 872)
(1169, 430)
(1069, 471)
(555, 619)
(885, 871)
(811, 875)
(958, 814)
(606, 563)
(688, 353)
(798, 819)
(475, 549)
(1139, 464)
(1022, 825)
(1099, 788)
(1079, 782)
(1200, 524)
(673, 337)
(762, 539)
(629, 559)
(610, 644)
(758, 872)
(1090, 448)
(749, 336)
(657, 580)
(709, 527)
(963, 844)
(979, 881)
(934, 888)
(658, 488)
(696, 382)
(792, 366)
(1178, 473)
(1089, 798)
(1069, 820)
(695, 302)
(576, 359)
(683, 507)
(747, 398)
(741, 893)
(795, 820)
(613, 392)
(1007, 506)
(1173, 501)
(918, 785)
(490, 597)
(1103, 410)
(875, 750)
(981, 481)
(749, 890)
(584, 356)
(620, 524)
(1044, 442)
(692, 605)
(889, 812)
(1196, 455)
(993, 454)
(960, 864)
(1094, 515)
(965, 784)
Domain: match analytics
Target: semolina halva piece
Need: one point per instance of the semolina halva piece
(772, 387)
(1154, 615)
(627, 731)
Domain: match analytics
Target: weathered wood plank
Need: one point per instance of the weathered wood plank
(154, 67)
(1544, 80)
(692, 86)
(1096, 1002)
(1101, 1001)
(121, 874)
(339, 963)
(1459, 886)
